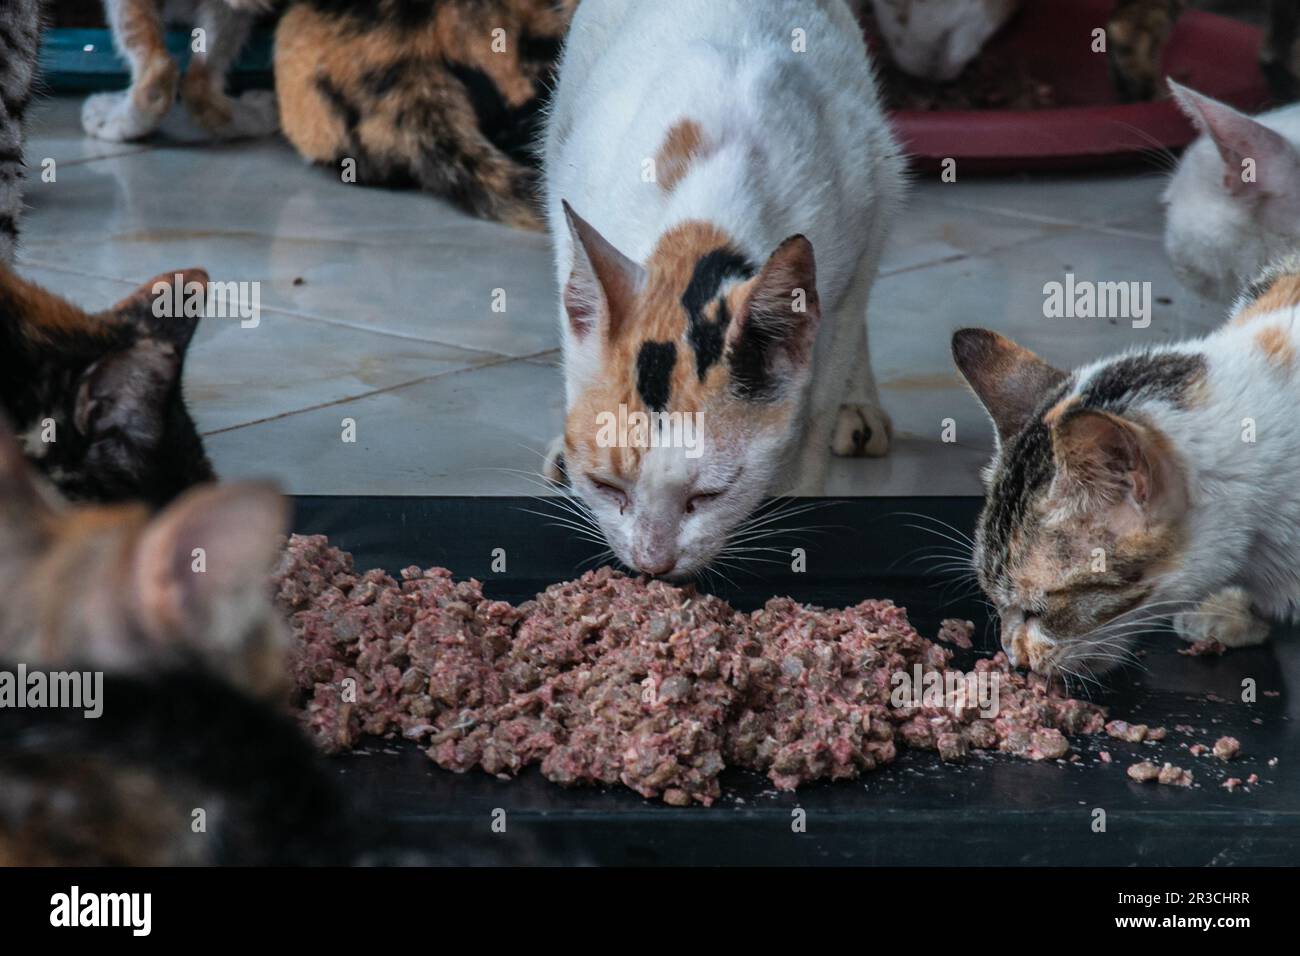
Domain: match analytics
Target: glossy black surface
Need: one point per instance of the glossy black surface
(991, 810)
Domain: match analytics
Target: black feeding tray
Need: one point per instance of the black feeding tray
(993, 810)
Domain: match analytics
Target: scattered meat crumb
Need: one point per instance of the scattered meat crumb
(1172, 776)
(1225, 748)
(1208, 647)
(1123, 730)
(957, 632)
(1143, 772)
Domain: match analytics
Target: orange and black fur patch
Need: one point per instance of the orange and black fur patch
(446, 95)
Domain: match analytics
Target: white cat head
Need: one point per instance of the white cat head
(1234, 203)
(686, 380)
(935, 39)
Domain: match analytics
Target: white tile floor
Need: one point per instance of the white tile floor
(376, 306)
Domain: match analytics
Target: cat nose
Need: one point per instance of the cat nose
(656, 566)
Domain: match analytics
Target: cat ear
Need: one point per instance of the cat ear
(1009, 381)
(167, 307)
(603, 282)
(1104, 455)
(203, 562)
(1274, 164)
(776, 323)
(124, 398)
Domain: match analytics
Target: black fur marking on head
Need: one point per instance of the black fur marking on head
(654, 373)
(1127, 381)
(706, 337)
(1025, 468)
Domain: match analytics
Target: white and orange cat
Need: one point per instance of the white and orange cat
(719, 184)
(1159, 483)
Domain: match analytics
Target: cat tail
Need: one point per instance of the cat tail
(20, 42)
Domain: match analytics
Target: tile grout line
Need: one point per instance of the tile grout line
(501, 360)
(305, 317)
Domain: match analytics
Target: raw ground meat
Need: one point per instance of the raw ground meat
(957, 632)
(611, 679)
(1206, 648)
(1169, 775)
(1225, 748)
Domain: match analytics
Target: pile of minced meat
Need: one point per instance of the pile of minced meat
(610, 679)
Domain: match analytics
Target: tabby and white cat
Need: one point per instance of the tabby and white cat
(1233, 205)
(937, 39)
(1157, 483)
(191, 711)
(685, 244)
(139, 32)
(97, 398)
(20, 42)
(445, 96)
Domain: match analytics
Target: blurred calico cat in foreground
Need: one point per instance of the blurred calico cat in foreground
(190, 712)
(139, 33)
(1156, 484)
(1233, 205)
(96, 397)
(693, 291)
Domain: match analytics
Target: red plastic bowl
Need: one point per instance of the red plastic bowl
(1053, 39)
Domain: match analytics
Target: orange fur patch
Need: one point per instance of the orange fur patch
(681, 147)
(1276, 346)
(1282, 294)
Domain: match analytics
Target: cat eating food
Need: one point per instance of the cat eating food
(715, 255)
(139, 33)
(1155, 484)
(97, 399)
(1234, 203)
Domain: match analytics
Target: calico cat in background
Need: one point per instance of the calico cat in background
(20, 43)
(97, 398)
(1233, 205)
(189, 711)
(139, 33)
(1156, 484)
(710, 267)
(937, 40)
(446, 96)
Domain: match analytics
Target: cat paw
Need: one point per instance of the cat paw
(861, 431)
(116, 117)
(1224, 616)
(553, 468)
(248, 116)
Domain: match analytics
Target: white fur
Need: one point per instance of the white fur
(936, 39)
(1243, 512)
(1217, 237)
(798, 145)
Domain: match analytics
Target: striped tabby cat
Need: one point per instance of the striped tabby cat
(20, 34)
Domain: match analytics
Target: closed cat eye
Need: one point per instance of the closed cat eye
(615, 492)
(701, 498)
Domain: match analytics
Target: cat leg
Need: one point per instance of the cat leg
(862, 427)
(204, 87)
(1225, 616)
(138, 33)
